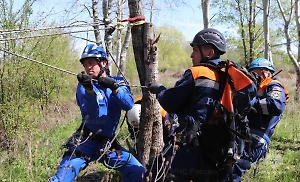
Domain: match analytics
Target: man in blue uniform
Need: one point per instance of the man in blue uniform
(270, 104)
(193, 99)
(100, 99)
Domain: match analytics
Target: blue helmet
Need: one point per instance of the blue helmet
(93, 51)
(261, 63)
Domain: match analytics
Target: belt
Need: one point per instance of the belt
(96, 138)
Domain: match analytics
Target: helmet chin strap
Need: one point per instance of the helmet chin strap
(263, 73)
(203, 59)
(102, 70)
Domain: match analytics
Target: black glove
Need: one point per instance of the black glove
(107, 82)
(257, 78)
(190, 136)
(154, 86)
(190, 130)
(85, 80)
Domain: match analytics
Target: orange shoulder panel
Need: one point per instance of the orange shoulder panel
(240, 80)
(204, 71)
(268, 80)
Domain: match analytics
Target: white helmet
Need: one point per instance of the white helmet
(134, 114)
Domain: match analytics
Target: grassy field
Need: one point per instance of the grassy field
(37, 154)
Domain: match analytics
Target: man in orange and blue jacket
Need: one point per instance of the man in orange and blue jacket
(194, 98)
(269, 104)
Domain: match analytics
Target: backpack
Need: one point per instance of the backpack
(237, 91)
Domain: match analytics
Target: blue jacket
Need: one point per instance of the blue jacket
(270, 104)
(196, 93)
(101, 111)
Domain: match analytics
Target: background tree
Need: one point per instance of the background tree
(266, 10)
(205, 12)
(243, 15)
(288, 16)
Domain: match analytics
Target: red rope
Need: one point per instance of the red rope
(134, 19)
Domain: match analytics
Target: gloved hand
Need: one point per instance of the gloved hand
(154, 86)
(190, 130)
(190, 136)
(257, 78)
(107, 82)
(85, 80)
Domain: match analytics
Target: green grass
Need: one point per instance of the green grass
(282, 163)
(36, 154)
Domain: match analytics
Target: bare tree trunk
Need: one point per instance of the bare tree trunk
(205, 11)
(146, 62)
(123, 53)
(243, 31)
(297, 62)
(96, 22)
(251, 23)
(106, 9)
(266, 5)
(119, 37)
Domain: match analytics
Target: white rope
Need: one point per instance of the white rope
(3, 32)
(44, 35)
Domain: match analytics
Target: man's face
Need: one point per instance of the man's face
(207, 51)
(262, 72)
(92, 67)
(196, 55)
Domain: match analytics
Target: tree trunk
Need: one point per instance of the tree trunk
(205, 12)
(251, 23)
(106, 9)
(123, 53)
(267, 53)
(146, 62)
(119, 37)
(297, 62)
(96, 22)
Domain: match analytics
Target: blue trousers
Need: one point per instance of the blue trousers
(258, 152)
(123, 162)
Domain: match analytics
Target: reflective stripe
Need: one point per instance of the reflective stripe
(207, 83)
(260, 139)
(264, 106)
(261, 135)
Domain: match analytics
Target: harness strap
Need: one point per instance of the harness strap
(77, 153)
(96, 138)
(119, 152)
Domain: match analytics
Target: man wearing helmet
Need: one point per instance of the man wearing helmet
(270, 104)
(100, 99)
(196, 94)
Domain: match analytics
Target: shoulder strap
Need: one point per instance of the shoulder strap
(222, 69)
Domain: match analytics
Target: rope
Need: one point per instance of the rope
(138, 20)
(45, 35)
(3, 32)
(54, 67)
(45, 64)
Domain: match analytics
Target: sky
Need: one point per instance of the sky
(185, 17)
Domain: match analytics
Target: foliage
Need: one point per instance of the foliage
(170, 47)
